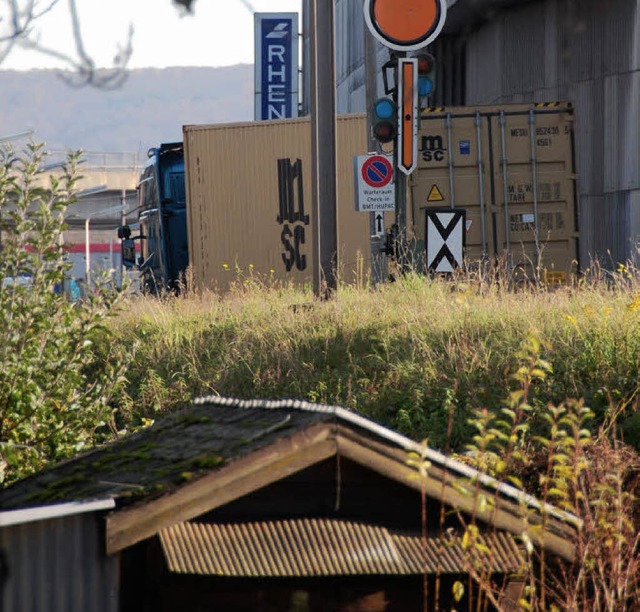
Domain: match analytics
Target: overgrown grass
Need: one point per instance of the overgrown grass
(418, 355)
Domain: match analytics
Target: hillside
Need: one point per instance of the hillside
(150, 107)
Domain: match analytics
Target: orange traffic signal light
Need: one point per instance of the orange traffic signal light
(405, 25)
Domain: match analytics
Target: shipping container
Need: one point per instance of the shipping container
(250, 204)
(511, 169)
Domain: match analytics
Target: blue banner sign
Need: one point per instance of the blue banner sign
(276, 65)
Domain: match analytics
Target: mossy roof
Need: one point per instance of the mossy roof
(177, 448)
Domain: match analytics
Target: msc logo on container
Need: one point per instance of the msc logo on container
(291, 215)
(432, 148)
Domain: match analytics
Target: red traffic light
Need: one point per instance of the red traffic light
(426, 74)
(384, 131)
(425, 64)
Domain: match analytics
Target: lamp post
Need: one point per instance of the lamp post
(87, 222)
(87, 243)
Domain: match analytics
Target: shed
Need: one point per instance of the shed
(260, 505)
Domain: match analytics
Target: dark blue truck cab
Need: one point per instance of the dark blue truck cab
(162, 222)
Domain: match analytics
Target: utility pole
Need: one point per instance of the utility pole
(323, 148)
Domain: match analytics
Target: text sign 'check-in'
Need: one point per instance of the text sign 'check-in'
(375, 188)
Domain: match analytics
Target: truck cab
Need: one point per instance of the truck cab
(162, 222)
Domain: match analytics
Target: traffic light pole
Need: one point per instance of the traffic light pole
(376, 242)
(401, 217)
(400, 185)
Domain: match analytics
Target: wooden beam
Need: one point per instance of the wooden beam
(446, 489)
(241, 477)
(441, 473)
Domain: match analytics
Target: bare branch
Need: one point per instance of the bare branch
(187, 5)
(18, 31)
(21, 19)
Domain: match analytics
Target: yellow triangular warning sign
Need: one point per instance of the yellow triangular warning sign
(435, 195)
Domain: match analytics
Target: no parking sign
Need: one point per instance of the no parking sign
(374, 183)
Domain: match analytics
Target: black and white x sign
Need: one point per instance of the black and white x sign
(445, 238)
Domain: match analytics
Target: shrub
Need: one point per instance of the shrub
(592, 477)
(54, 390)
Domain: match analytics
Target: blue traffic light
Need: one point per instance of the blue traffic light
(384, 108)
(425, 86)
(385, 120)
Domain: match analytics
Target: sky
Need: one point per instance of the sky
(218, 33)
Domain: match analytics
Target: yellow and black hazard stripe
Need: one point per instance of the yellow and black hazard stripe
(551, 104)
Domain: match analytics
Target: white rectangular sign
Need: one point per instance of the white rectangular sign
(445, 238)
(375, 187)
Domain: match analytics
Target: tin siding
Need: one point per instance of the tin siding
(522, 31)
(350, 67)
(320, 547)
(484, 82)
(622, 132)
(58, 565)
(634, 222)
(620, 36)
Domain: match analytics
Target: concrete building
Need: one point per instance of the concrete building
(106, 196)
(507, 51)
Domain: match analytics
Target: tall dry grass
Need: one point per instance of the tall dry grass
(418, 354)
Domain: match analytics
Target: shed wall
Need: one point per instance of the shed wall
(58, 565)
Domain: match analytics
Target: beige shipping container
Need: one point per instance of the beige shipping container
(249, 201)
(511, 169)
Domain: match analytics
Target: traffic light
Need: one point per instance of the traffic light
(426, 75)
(385, 120)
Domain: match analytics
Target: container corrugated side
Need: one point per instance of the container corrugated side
(249, 201)
(511, 168)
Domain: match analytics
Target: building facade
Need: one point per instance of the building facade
(586, 52)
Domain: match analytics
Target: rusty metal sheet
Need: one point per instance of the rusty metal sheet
(321, 547)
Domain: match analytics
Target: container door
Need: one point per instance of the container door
(452, 173)
(533, 213)
(511, 168)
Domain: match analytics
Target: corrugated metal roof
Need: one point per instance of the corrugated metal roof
(321, 547)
